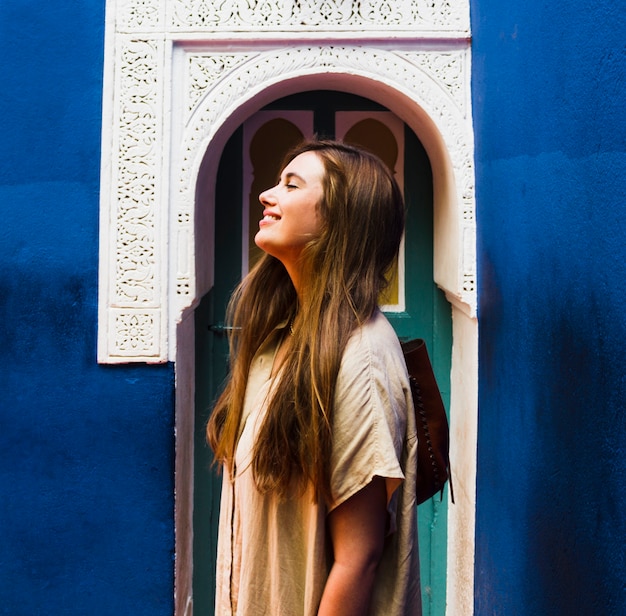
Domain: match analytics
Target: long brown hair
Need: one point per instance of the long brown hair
(344, 270)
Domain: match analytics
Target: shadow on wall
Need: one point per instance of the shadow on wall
(577, 491)
(551, 529)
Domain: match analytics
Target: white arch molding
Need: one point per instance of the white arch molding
(397, 80)
(170, 106)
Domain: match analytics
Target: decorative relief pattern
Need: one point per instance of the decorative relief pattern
(344, 15)
(137, 159)
(448, 70)
(136, 333)
(431, 78)
(389, 67)
(134, 294)
(138, 15)
(443, 13)
(134, 289)
(411, 16)
(203, 71)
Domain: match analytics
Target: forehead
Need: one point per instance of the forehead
(307, 165)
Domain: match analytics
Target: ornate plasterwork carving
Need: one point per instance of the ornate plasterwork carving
(268, 15)
(136, 331)
(134, 289)
(138, 126)
(144, 195)
(448, 69)
(442, 16)
(433, 79)
(204, 71)
(138, 15)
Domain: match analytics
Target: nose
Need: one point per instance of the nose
(267, 197)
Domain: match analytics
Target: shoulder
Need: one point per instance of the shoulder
(370, 412)
(376, 344)
(373, 365)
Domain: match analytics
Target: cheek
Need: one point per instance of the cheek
(317, 219)
(314, 224)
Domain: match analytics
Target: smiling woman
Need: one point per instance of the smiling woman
(315, 429)
(290, 216)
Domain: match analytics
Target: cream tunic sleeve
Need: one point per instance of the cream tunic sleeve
(370, 415)
(375, 435)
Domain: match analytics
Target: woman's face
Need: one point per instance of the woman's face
(290, 210)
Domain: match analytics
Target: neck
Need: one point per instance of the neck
(296, 278)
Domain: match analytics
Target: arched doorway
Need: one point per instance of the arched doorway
(180, 77)
(416, 306)
(173, 96)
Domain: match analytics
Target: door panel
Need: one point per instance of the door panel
(416, 308)
(380, 132)
(212, 368)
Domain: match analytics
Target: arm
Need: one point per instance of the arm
(357, 531)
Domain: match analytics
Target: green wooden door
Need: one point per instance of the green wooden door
(416, 308)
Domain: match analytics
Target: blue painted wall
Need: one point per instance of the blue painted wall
(549, 96)
(86, 451)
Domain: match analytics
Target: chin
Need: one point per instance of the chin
(260, 243)
(263, 246)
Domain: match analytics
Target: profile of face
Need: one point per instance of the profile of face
(290, 210)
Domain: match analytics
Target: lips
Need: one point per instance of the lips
(270, 216)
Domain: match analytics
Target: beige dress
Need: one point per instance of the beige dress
(274, 556)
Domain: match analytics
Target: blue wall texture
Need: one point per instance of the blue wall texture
(86, 451)
(549, 96)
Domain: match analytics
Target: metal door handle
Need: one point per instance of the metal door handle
(220, 328)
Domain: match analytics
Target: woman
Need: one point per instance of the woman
(315, 427)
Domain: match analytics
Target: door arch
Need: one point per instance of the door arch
(180, 76)
(447, 140)
(406, 89)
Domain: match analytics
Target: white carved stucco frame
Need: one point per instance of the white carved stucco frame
(173, 95)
